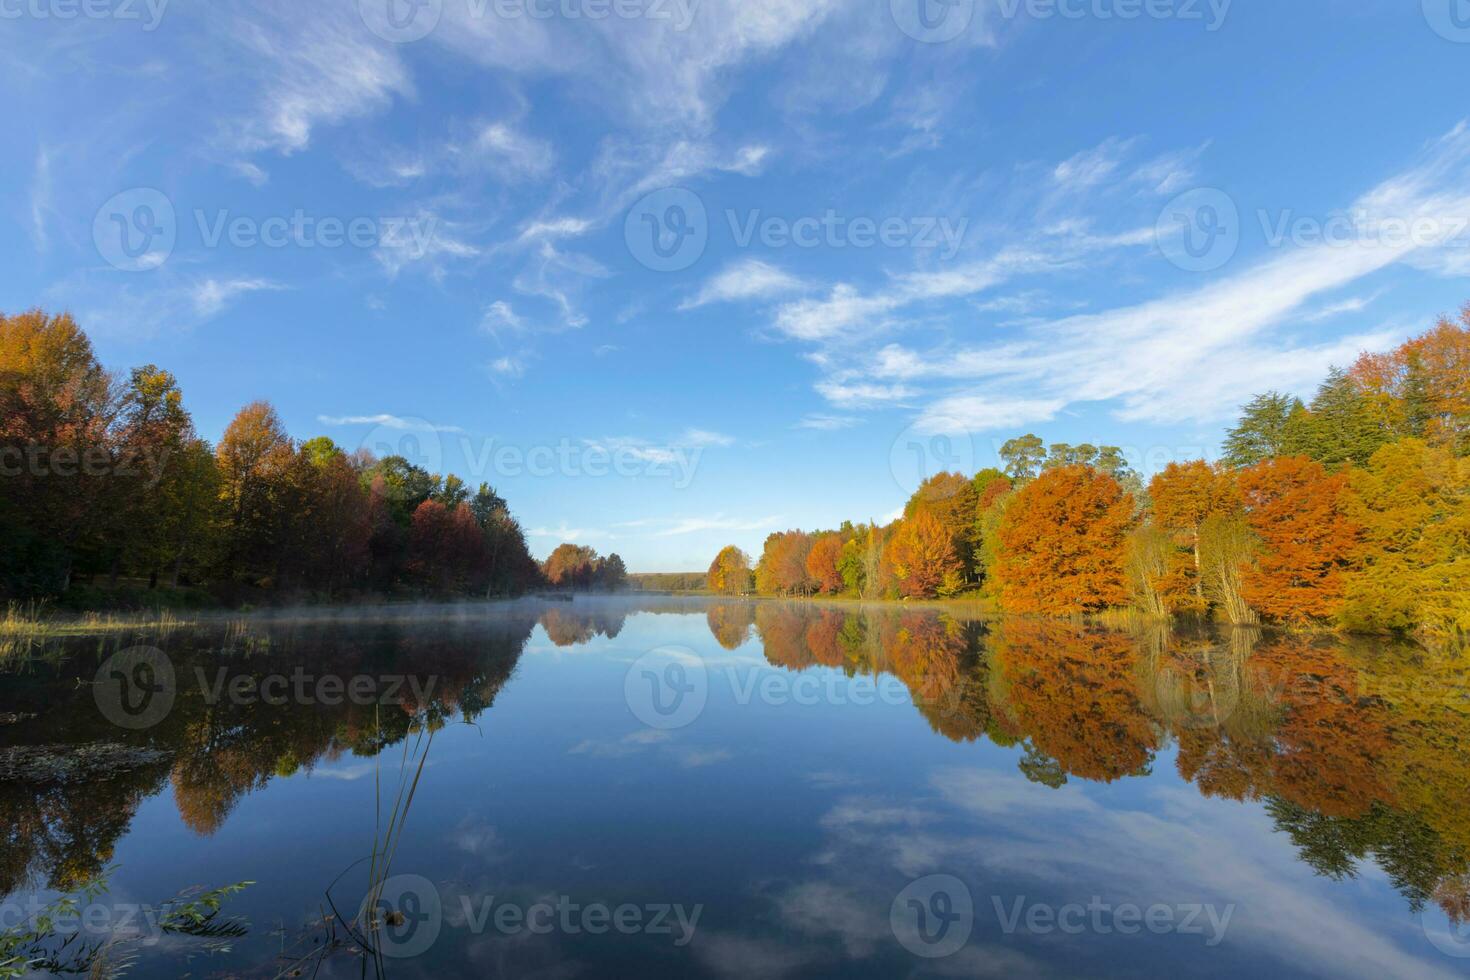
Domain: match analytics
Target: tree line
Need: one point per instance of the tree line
(1350, 511)
(104, 477)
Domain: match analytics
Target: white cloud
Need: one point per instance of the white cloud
(40, 198)
(508, 367)
(669, 527)
(387, 421)
(511, 152)
(855, 395)
(1194, 355)
(424, 238)
(211, 296)
(556, 228)
(1353, 304)
(979, 413)
(499, 315)
(565, 533)
(315, 65)
(1092, 167)
(746, 279)
(828, 423)
(250, 172)
(703, 437)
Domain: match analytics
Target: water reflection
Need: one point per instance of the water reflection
(1356, 748)
(250, 704)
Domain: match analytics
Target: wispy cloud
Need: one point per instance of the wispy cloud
(40, 198)
(387, 421)
(747, 279)
(828, 423)
(314, 65)
(1193, 355)
(669, 527)
(510, 151)
(565, 533)
(211, 296)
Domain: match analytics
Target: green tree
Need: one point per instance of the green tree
(1023, 457)
(1344, 427)
(1260, 432)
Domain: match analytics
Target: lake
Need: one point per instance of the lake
(652, 786)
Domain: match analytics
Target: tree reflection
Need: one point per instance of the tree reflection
(1355, 748)
(85, 779)
(730, 622)
(1073, 693)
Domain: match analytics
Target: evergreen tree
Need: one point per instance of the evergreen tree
(1261, 430)
(1344, 428)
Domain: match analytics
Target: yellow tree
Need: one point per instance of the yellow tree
(1184, 496)
(729, 573)
(1413, 503)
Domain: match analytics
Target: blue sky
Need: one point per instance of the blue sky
(886, 242)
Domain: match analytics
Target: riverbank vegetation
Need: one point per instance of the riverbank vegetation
(104, 483)
(1352, 511)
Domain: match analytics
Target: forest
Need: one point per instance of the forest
(104, 480)
(1349, 512)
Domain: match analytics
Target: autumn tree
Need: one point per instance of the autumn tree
(1413, 503)
(1296, 509)
(993, 491)
(922, 558)
(782, 566)
(1184, 496)
(821, 563)
(729, 573)
(570, 566)
(57, 409)
(951, 499)
(255, 458)
(1423, 386)
(1061, 544)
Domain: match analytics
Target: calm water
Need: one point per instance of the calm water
(686, 788)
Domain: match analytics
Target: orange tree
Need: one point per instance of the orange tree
(922, 559)
(821, 563)
(1296, 510)
(1062, 543)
